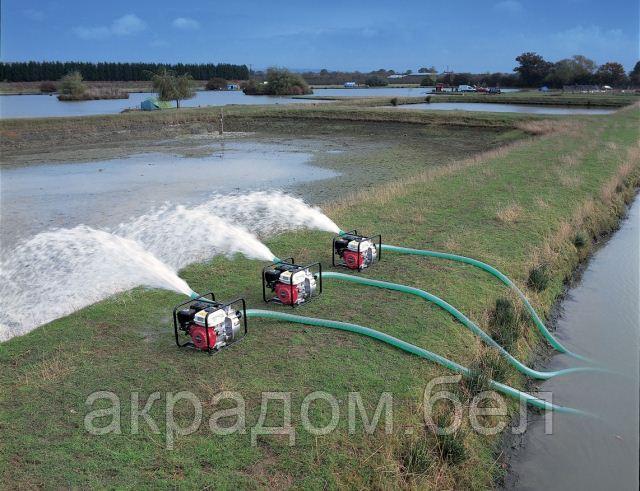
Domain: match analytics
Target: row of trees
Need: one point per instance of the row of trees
(533, 70)
(35, 71)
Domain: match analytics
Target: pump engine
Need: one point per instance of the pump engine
(356, 251)
(291, 284)
(211, 325)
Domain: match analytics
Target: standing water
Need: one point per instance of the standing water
(600, 319)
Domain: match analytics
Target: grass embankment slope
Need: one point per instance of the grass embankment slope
(517, 208)
(522, 97)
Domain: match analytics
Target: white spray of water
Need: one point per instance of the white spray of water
(266, 213)
(181, 236)
(60, 271)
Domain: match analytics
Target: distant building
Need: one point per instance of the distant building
(350, 85)
(233, 87)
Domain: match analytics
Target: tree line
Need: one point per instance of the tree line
(36, 71)
(533, 71)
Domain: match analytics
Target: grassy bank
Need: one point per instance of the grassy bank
(544, 98)
(517, 207)
(523, 97)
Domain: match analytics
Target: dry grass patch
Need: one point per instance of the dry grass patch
(569, 180)
(509, 214)
(570, 160)
(49, 370)
(541, 203)
(548, 126)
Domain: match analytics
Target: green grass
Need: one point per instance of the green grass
(522, 97)
(125, 342)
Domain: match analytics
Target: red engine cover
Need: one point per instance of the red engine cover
(287, 294)
(353, 260)
(199, 337)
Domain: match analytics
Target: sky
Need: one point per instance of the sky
(475, 36)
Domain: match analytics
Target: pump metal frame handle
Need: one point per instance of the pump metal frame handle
(362, 239)
(218, 305)
(290, 261)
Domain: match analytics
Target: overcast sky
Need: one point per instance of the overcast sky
(464, 35)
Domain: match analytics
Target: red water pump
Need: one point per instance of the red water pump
(291, 284)
(211, 325)
(356, 251)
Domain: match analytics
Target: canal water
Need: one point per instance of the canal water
(600, 318)
(103, 193)
(502, 108)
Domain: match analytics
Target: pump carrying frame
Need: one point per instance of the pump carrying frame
(217, 305)
(374, 239)
(290, 261)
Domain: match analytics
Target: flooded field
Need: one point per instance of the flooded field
(102, 193)
(36, 106)
(599, 319)
(502, 108)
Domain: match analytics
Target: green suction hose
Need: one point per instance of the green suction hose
(557, 345)
(409, 348)
(459, 316)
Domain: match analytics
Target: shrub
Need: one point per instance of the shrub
(71, 84)
(172, 87)
(452, 448)
(216, 83)
(280, 81)
(478, 380)
(496, 366)
(504, 323)
(376, 81)
(394, 101)
(252, 88)
(427, 99)
(539, 277)
(580, 240)
(48, 87)
(414, 455)
(427, 82)
(488, 365)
